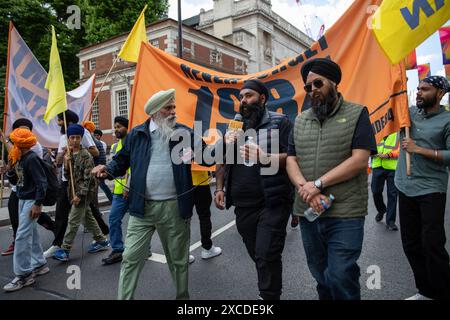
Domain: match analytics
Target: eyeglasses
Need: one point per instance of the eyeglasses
(317, 83)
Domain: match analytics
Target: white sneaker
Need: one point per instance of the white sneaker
(418, 296)
(51, 251)
(191, 259)
(211, 253)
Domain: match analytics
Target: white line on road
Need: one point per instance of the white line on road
(213, 235)
(162, 258)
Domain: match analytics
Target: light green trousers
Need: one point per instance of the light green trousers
(174, 232)
(81, 214)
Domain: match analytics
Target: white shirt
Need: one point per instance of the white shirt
(86, 142)
(152, 126)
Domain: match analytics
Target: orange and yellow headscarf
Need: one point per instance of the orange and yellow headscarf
(22, 139)
(89, 125)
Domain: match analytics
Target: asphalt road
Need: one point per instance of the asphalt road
(231, 275)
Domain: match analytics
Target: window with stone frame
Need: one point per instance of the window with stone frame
(122, 103)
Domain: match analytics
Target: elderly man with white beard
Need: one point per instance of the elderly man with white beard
(159, 198)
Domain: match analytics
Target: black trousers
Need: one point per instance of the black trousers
(99, 218)
(62, 214)
(380, 176)
(202, 202)
(263, 231)
(423, 238)
(13, 210)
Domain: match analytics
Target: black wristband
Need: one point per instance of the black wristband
(218, 190)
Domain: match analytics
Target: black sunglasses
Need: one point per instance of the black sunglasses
(317, 83)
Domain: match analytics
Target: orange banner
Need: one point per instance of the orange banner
(212, 97)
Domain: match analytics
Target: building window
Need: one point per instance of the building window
(122, 103)
(95, 113)
(215, 57)
(267, 38)
(239, 66)
(155, 43)
(92, 64)
(119, 59)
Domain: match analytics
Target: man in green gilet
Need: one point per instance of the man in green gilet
(328, 153)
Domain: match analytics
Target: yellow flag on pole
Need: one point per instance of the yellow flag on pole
(401, 25)
(57, 101)
(131, 47)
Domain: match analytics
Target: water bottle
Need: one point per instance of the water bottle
(248, 162)
(311, 215)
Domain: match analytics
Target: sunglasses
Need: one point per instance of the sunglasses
(317, 83)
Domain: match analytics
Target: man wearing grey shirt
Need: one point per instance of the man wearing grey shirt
(422, 194)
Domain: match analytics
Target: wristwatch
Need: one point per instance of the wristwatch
(318, 184)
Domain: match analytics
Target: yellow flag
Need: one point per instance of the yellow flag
(131, 47)
(57, 102)
(401, 25)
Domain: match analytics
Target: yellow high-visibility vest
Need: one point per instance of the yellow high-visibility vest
(120, 183)
(200, 178)
(386, 146)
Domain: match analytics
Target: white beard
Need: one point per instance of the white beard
(166, 126)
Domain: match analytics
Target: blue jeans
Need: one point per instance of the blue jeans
(118, 210)
(106, 190)
(332, 247)
(28, 253)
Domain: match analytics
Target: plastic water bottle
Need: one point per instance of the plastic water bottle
(311, 215)
(248, 162)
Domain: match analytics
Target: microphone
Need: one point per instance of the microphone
(236, 123)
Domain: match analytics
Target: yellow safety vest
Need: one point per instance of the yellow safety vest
(200, 178)
(118, 187)
(386, 146)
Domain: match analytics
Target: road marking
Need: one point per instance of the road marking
(157, 257)
(213, 235)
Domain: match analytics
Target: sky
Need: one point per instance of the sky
(311, 14)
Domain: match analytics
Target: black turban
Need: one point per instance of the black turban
(256, 85)
(22, 122)
(324, 67)
(438, 82)
(71, 117)
(121, 120)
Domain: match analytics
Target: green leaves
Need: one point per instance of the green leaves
(100, 20)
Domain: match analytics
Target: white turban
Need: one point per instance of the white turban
(158, 101)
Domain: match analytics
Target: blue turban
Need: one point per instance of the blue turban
(75, 130)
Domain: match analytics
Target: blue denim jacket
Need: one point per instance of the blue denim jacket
(136, 153)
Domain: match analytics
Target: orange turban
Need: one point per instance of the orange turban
(22, 139)
(89, 125)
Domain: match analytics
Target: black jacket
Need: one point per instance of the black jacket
(31, 178)
(277, 188)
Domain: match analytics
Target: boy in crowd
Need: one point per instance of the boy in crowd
(85, 186)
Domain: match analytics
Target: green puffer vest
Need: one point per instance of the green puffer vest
(322, 148)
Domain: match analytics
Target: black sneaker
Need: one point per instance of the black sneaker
(392, 226)
(379, 216)
(114, 257)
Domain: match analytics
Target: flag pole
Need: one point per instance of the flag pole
(408, 155)
(180, 32)
(70, 161)
(2, 176)
(88, 114)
